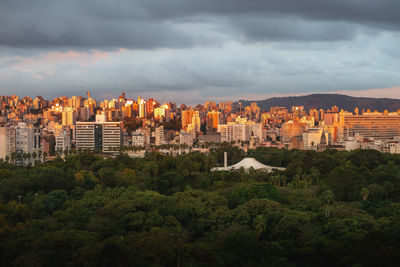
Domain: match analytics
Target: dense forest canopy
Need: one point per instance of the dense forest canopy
(328, 208)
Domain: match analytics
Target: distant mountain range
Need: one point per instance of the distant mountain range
(326, 101)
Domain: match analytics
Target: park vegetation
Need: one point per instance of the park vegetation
(328, 208)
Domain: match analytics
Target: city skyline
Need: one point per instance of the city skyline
(379, 93)
(192, 52)
(56, 127)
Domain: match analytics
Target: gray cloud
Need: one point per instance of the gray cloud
(147, 24)
(193, 50)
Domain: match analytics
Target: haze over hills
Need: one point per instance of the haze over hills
(326, 101)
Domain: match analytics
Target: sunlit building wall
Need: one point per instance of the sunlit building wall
(379, 127)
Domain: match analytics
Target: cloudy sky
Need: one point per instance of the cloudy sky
(194, 50)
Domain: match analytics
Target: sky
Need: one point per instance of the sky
(190, 51)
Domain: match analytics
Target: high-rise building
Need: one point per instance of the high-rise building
(254, 130)
(290, 129)
(68, 117)
(138, 139)
(159, 112)
(379, 127)
(159, 136)
(213, 120)
(142, 108)
(141, 137)
(186, 118)
(315, 114)
(210, 105)
(232, 132)
(63, 141)
(3, 142)
(195, 125)
(27, 140)
(84, 113)
(10, 141)
(101, 136)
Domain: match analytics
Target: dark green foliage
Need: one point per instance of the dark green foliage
(327, 209)
(243, 193)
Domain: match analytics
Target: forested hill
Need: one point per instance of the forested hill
(326, 101)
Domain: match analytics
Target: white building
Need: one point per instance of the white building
(27, 140)
(254, 129)
(232, 132)
(141, 137)
(138, 139)
(159, 136)
(63, 141)
(351, 144)
(312, 138)
(246, 164)
(240, 132)
(186, 138)
(394, 148)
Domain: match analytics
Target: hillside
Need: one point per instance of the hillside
(326, 101)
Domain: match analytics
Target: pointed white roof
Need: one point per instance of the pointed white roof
(248, 163)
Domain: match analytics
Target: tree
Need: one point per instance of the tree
(314, 172)
(328, 197)
(86, 179)
(364, 193)
(259, 225)
(346, 182)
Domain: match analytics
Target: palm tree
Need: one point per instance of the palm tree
(29, 156)
(101, 176)
(25, 156)
(155, 175)
(278, 180)
(315, 174)
(328, 196)
(274, 180)
(284, 180)
(259, 225)
(364, 193)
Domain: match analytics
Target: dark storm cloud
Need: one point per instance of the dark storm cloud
(147, 24)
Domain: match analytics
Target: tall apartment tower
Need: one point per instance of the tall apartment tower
(68, 117)
(142, 108)
(159, 136)
(213, 120)
(99, 136)
(3, 142)
(27, 138)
